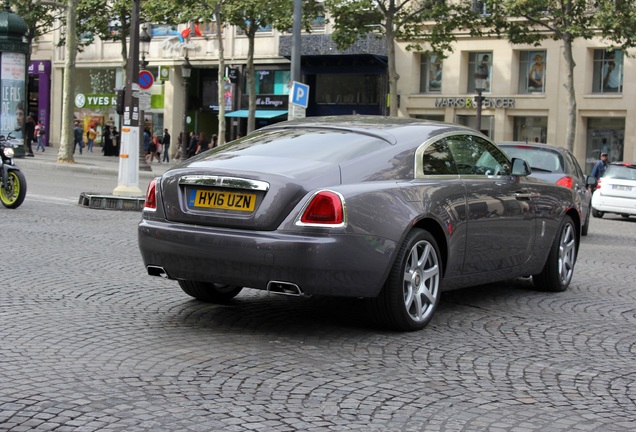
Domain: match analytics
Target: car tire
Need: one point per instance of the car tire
(209, 292)
(412, 291)
(596, 213)
(559, 268)
(586, 226)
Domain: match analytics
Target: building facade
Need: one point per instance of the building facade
(524, 96)
(353, 81)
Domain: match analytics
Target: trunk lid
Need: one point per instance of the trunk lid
(241, 191)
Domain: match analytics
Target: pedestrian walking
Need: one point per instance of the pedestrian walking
(78, 136)
(166, 146)
(91, 134)
(599, 168)
(192, 146)
(39, 136)
(147, 140)
(107, 148)
(202, 143)
(29, 130)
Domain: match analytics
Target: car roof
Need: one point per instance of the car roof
(385, 127)
(531, 145)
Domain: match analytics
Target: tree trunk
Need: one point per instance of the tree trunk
(220, 76)
(67, 141)
(570, 133)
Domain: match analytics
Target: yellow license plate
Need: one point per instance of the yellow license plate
(222, 200)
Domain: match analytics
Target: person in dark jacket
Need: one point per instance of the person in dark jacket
(194, 143)
(29, 131)
(166, 145)
(108, 142)
(78, 137)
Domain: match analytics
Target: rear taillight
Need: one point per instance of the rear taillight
(325, 208)
(151, 196)
(598, 183)
(567, 182)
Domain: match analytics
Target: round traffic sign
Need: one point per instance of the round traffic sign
(146, 80)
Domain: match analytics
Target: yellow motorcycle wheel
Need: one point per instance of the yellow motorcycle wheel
(13, 192)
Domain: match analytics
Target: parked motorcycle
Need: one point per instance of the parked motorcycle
(13, 187)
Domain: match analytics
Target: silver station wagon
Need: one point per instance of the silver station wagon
(392, 210)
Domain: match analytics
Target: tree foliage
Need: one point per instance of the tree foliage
(533, 21)
(418, 22)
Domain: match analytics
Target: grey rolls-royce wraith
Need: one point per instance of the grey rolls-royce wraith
(392, 210)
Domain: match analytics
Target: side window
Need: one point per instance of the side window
(608, 71)
(532, 71)
(430, 73)
(438, 160)
(477, 156)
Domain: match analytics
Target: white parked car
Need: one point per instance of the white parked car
(616, 191)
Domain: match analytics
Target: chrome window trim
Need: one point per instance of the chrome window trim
(419, 152)
(222, 181)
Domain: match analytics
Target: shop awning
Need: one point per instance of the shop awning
(261, 114)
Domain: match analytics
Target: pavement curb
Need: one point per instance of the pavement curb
(89, 163)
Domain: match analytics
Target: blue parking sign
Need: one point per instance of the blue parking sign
(300, 94)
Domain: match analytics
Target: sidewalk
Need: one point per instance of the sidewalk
(90, 162)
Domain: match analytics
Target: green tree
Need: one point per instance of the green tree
(533, 21)
(249, 16)
(415, 21)
(40, 18)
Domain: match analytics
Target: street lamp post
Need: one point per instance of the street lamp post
(481, 77)
(186, 70)
(144, 49)
(144, 46)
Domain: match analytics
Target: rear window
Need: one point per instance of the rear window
(310, 144)
(543, 159)
(623, 172)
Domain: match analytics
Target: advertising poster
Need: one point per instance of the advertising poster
(12, 84)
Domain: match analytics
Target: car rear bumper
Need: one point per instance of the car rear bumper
(609, 204)
(318, 263)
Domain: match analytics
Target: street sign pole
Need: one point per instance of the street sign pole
(298, 100)
(128, 180)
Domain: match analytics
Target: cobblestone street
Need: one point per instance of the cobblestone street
(90, 342)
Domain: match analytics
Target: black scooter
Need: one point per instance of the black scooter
(13, 185)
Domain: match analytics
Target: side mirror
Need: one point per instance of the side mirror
(591, 181)
(520, 167)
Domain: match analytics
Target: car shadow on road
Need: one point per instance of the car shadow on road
(256, 311)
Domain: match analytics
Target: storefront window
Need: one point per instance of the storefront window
(608, 71)
(532, 71)
(431, 73)
(482, 60)
(273, 82)
(348, 89)
(604, 135)
(530, 129)
(487, 124)
(95, 99)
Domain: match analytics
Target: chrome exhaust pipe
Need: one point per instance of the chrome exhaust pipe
(157, 271)
(284, 288)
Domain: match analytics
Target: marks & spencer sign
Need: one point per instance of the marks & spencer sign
(470, 102)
